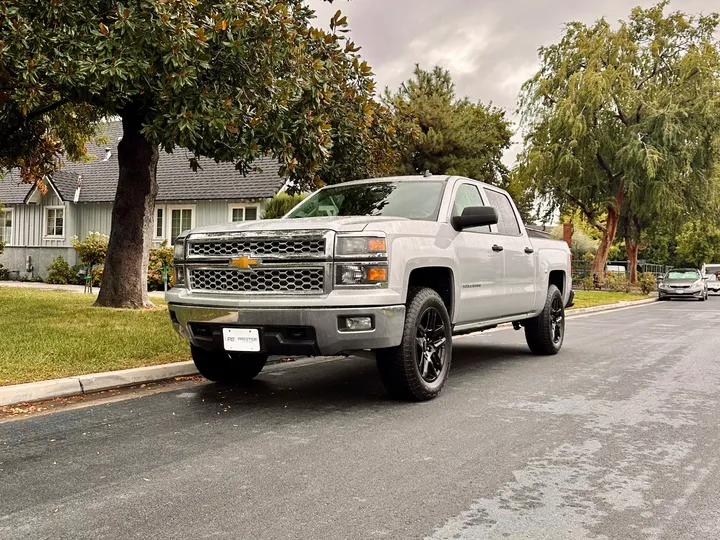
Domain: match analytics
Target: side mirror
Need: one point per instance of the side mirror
(475, 216)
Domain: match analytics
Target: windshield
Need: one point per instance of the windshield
(413, 200)
(683, 274)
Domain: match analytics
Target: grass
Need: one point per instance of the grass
(48, 334)
(584, 299)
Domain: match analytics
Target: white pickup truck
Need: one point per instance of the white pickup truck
(395, 266)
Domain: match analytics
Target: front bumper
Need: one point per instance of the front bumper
(687, 294)
(291, 331)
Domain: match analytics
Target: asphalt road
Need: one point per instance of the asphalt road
(615, 438)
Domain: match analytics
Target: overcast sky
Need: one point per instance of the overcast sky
(489, 46)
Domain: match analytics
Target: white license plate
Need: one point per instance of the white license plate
(241, 339)
(680, 291)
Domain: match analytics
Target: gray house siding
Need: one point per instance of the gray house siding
(29, 223)
(93, 217)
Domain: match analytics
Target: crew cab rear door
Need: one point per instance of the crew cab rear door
(520, 266)
(481, 268)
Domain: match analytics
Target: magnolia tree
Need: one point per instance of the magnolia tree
(232, 80)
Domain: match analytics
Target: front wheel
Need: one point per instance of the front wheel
(545, 333)
(220, 367)
(417, 370)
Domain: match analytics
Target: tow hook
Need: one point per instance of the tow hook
(517, 326)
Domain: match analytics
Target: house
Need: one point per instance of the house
(36, 228)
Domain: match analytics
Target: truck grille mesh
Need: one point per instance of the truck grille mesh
(259, 248)
(301, 280)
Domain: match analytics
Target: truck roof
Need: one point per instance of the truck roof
(415, 178)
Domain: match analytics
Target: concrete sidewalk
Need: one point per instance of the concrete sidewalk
(78, 289)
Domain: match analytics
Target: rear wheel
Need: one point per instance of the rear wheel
(545, 333)
(417, 370)
(221, 367)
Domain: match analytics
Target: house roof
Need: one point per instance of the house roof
(12, 191)
(176, 180)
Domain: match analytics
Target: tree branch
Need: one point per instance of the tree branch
(621, 115)
(32, 115)
(605, 166)
(589, 214)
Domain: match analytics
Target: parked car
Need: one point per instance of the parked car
(397, 266)
(713, 283)
(708, 269)
(683, 283)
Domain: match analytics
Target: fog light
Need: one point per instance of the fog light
(358, 324)
(179, 275)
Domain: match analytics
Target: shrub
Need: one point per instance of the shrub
(281, 204)
(60, 272)
(616, 283)
(4, 273)
(92, 250)
(648, 282)
(588, 283)
(159, 257)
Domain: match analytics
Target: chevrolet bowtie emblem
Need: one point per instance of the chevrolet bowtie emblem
(245, 262)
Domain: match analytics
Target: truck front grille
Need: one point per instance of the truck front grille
(311, 248)
(268, 280)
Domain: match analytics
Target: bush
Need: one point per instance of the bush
(648, 282)
(60, 272)
(616, 283)
(4, 273)
(588, 284)
(281, 204)
(162, 256)
(92, 250)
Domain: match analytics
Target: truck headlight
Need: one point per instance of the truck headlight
(179, 250)
(179, 275)
(361, 245)
(357, 274)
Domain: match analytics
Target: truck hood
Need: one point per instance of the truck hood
(337, 224)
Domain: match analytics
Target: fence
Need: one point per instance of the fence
(583, 269)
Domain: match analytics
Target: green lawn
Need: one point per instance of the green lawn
(585, 299)
(48, 334)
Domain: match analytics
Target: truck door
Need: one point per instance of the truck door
(520, 271)
(481, 268)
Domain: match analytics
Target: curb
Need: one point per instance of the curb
(84, 384)
(611, 307)
(95, 382)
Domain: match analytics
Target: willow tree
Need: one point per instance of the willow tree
(625, 117)
(229, 79)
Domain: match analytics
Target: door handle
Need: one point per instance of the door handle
(529, 250)
(497, 248)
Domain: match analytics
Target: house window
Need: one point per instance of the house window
(55, 221)
(6, 216)
(159, 223)
(181, 219)
(243, 213)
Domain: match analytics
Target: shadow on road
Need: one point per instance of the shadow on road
(348, 382)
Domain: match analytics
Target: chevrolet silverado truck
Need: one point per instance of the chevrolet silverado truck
(392, 266)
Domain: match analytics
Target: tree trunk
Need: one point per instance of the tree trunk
(632, 253)
(608, 238)
(124, 281)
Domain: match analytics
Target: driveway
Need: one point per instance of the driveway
(617, 437)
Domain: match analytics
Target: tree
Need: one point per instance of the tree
(446, 135)
(625, 118)
(228, 79)
(698, 243)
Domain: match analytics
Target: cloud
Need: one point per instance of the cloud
(489, 46)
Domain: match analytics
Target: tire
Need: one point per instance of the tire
(418, 369)
(221, 367)
(546, 332)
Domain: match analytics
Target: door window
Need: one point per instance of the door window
(507, 220)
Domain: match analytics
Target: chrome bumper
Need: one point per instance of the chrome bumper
(292, 331)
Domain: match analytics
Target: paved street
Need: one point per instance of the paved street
(615, 438)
